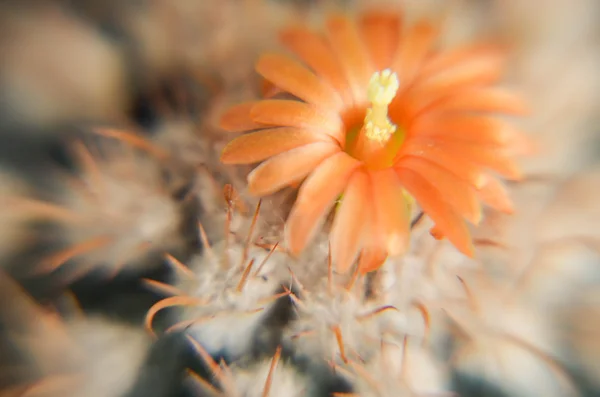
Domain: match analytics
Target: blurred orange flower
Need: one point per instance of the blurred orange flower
(381, 119)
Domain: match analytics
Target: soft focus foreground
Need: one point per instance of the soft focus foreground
(133, 262)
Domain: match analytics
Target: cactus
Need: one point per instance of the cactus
(403, 267)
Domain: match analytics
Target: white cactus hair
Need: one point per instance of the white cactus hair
(117, 212)
(14, 230)
(266, 377)
(233, 288)
(348, 323)
(77, 356)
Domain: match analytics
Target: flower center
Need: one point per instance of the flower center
(382, 90)
(377, 139)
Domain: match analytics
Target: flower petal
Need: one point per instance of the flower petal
(298, 114)
(436, 207)
(494, 194)
(347, 230)
(371, 258)
(449, 75)
(465, 128)
(484, 99)
(374, 253)
(288, 167)
(458, 193)
(349, 48)
(268, 89)
(471, 99)
(436, 233)
(413, 48)
(521, 144)
(316, 197)
(294, 78)
(471, 173)
(317, 54)
(260, 145)
(391, 211)
(381, 32)
(485, 157)
(484, 68)
(446, 60)
(237, 118)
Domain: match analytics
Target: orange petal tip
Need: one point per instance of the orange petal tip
(436, 233)
(372, 265)
(237, 118)
(506, 206)
(467, 249)
(397, 244)
(524, 145)
(229, 154)
(268, 89)
(261, 145)
(478, 218)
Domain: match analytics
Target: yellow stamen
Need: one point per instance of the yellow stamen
(381, 92)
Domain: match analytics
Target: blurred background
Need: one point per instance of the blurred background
(109, 146)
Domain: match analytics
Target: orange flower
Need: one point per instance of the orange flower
(380, 118)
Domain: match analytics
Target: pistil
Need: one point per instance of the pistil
(374, 144)
(382, 90)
